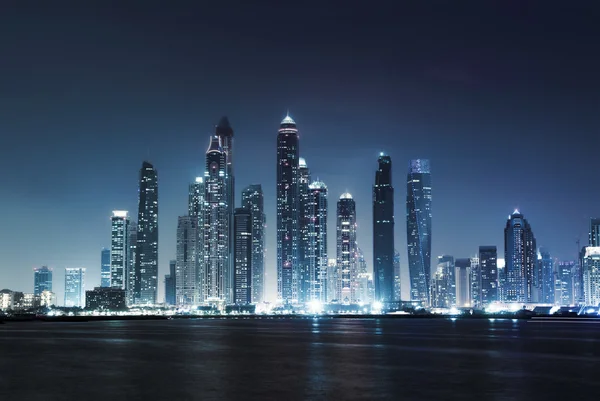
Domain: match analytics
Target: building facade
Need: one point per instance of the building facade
(106, 298)
(591, 276)
(304, 278)
(170, 283)
(347, 250)
(418, 229)
(463, 282)
(196, 212)
(544, 277)
(443, 284)
(242, 266)
(187, 292)
(132, 278)
(315, 254)
(288, 236)
(488, 271)
(253, 200)
(383, 231)
(119, 249)
(520, 254)
(564, 283)
(75, 287)
(42, 280)
(105, 267)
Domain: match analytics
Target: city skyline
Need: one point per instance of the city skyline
(431, 106)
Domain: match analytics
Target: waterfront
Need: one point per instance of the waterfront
(296, 359)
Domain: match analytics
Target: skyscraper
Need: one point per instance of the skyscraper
(42, 280)
(418, 228)
(443, 285)
(186, 275)
(544, 280)
(397, 275)
(364, 279)
(383, 231)
(253, 200)
(132, 234)
(488, 268)
(170, 283)
(332, 280)
(217, 279)
(303, 223)
(75, 287)
(347, 250)
(196, 212)
(520, 256)
(146, 255)
(105, 267)
(591, 275)
(595, 232)
(463, 285)
(288, 237)
(119, 249)
(242, 265)
(565, 282)
(315, 254)
(475, 281)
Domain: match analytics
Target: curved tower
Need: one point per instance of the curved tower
(288, 236)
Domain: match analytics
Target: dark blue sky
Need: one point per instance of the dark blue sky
(503, 97)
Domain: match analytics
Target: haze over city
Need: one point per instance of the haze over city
(507, 114)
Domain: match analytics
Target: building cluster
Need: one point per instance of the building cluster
(220, 252)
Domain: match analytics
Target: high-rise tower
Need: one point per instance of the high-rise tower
(75, 287)
(186, 276)
(105, 268)
(418, 228)
(196, 212)
(315, 254)
(146, 255)
(253, 200)
(347, 250)
(217, 268)
(488, 274)
(303, 230)
(119, 249)
(383, 231)
(242, 251)
(595, 232)
(520, 256)
(288, 237)
(42, 280)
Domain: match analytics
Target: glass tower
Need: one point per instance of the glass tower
(242, 265)
(253, 200)
(418, 229)
(591, 275)
(595, 232)
(75, 287)
(544, 280)
(105, 267)
(304, 278)
(488, 271)
(186, 276)
(565, 282)
(383, 231)
(170, 283)
(196, 212)
(316, 245)
(347, 250)
(119, 249)
(288, 236)
(42, 280)
(520, 257)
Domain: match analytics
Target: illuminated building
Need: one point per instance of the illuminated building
(119, 249)
(315, 250)
(564, 283)
(595, 232)
(304, 276)
(217, 275)
(75, 287)
(288, 236)
(418, 229)
(6, 299)
(520, 256)
(475, 281)
(109, 299)
(488, 274)
(253, 200)
(186, 274)
(397, 275)
(383, 231)
(463, 282)
(332, 280)
(170, 283)
(132, 235)
(591, 276)
(146, 253)
(47, 298)
(42, 280)
(347, 250)
(242, 253)
(105, 267)
(196, 212)
(443, 286)
(544, 277)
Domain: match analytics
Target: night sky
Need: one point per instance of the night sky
(503, 97)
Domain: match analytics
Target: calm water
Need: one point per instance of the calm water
(292, 359)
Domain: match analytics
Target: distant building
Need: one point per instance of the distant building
(520, 255)
(475, 281)
(347, 250)
(383, 231)
(196, 212)
(443, 285)
(304, 279)
(565, 283)
(544, 277)
(6, 299)
(75, 287)
(42, 280)
(105, 267)
(253, 200)
(397, 275)
(332, 280)
(186, 275)
(47, 298)
(102, 298)
(170, 286)
(595, 232)
(488, 270)
(130, 274)
(418, 229)
(119, 249)
(463, 282)
(591, 276)
(242, 254)
(315, 249)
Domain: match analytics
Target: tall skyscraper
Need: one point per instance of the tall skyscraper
(186, 274)
(591, 275)
(418, 228)
(365, 280)
(75, 287)
(397, 275)
(595, 232)
(288, 236)
(488, 269)
(42, 280)
(383, 231)
(146, 256)
(105, 267)
(242, 265)
(565, 282)
(303, 223)
(463, 282)
(544, 277)
(225, 133)
(253, 200)
(217, 275)
(170, 283)
(332, 280)
(315, 253)
(443, 284)
(119, 249)
(520, 256)
(132, 235)
(196, 212)
(475, 281)
(347, 249)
